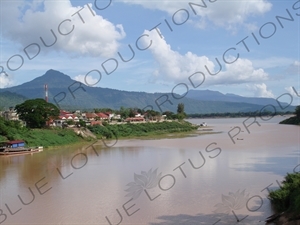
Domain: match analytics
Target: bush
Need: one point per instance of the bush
(70, 122)
(287, 198)
(81, 123)
(140, 129)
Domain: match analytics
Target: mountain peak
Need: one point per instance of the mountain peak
(54, 77)
(232, 95)
(55, 74)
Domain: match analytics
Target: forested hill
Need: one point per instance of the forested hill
(9, 99)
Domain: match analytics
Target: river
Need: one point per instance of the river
(205, 179)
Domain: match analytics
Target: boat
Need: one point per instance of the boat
(17, 147)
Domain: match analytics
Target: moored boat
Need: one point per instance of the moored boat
(17, 147)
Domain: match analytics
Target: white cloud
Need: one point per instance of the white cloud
(26, 22)
(297, 63)
(293, 91)
(260, 90)
(228, 13)
(172, 66)
(87, 80)
(241, 71)
(294, 68)
(6, 80)
(225, 13)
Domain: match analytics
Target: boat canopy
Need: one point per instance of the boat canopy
(16, 143)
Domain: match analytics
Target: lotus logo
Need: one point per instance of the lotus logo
(146, 180)
(233, 201)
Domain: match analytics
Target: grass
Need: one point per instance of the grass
(46, 137)
(12, 130)
(140, 130)
(51, 137)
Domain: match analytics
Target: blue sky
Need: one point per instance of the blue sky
(187, 41)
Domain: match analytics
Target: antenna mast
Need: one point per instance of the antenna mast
(46, 92)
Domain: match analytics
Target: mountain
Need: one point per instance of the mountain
(207, 95)
(69, 94)
(9, 99)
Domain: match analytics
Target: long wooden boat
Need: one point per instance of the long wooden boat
(17, 147)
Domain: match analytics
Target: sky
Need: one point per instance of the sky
(249, 48)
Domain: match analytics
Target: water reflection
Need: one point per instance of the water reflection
(276, 165)
(84, 184)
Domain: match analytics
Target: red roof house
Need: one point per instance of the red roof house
(102, 116)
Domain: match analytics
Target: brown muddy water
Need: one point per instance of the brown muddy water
(206, 179)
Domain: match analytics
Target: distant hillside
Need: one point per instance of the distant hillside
(85, 97)
(207, 95)
(9, 99)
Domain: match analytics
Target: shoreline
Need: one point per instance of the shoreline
(163, 136)
(70, 137)
(173, 135)
(243, 116)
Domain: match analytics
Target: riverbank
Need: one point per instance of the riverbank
(137, 130)
(294, 120)
(288, 219)
(44, 137)
(286, 200)
(47, 137)
(54, 137)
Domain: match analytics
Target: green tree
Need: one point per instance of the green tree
(170, 115)
(180, 111)
(81, 123)
(124, 112)
(141, 111)
(36, 112)
(180, 108)
(132, 113)
(297, 111)
(70, 122)
(103, 110)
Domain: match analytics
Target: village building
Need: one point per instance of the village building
(102, 116)
(135, 119)
(10, 114)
